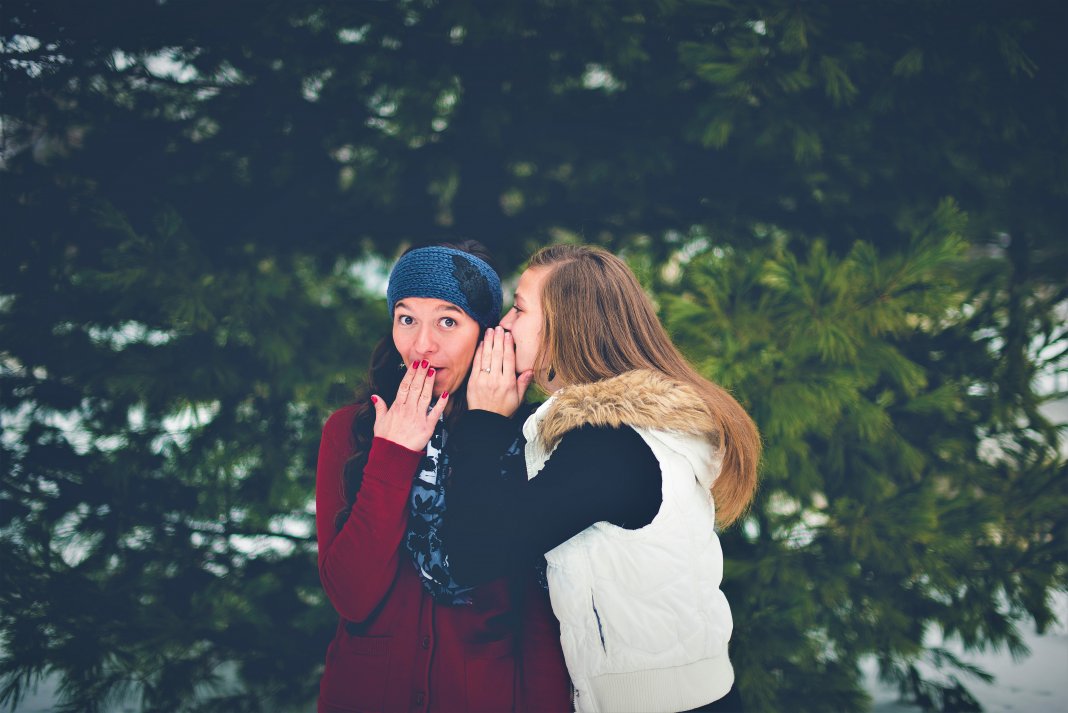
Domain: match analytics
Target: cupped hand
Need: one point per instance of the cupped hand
(407, 422)
(493, 384)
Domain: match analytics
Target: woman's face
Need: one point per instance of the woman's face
(425, 328)
(524, 320)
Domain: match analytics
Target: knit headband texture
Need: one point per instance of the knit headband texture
(451, 275)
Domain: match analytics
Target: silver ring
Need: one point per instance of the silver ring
(487, 370)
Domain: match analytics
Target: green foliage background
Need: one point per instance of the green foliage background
(853, 214)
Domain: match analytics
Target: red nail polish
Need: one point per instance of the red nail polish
(424, 364)
(374, 399)
(415, 364)
(430, 372)
(444, 394)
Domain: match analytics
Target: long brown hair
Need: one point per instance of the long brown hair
(599, 323)
(383, 378)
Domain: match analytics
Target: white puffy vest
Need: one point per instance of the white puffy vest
(643, 624)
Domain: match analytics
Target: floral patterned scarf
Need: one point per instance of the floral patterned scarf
(426, 509)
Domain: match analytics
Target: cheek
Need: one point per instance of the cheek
(526, 346)
(464, 356)
(527, 337)
(400, 341)
(462, 348)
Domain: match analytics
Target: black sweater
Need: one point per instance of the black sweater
(495, 525)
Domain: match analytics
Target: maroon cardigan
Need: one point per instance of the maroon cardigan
(395, 648)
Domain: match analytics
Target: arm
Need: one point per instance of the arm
(494, 525)
(358, 563)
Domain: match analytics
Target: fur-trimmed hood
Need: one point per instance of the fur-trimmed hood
(640, 398)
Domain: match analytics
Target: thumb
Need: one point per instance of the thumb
(523, 382)
(380, 406)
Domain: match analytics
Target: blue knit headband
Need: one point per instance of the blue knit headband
(451, 275)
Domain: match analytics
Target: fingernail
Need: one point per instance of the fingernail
(374, 399)
(424, 364)
(415, 364)
(444, 394)
(430, 373)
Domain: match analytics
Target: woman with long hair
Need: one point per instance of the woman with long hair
(409, 638)
(632, 463)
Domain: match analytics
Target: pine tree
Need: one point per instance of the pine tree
(893, 499)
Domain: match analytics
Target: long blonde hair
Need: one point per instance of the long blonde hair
(599, 323)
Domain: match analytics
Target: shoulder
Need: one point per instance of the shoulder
(641, 398)
(602, 434)
(591, 443)
(617, 465)
(484, 423)
(525, 409)
(338, 426)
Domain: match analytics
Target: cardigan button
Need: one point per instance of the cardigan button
(419, 698)
(425, 643)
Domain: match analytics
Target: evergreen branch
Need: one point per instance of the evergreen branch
(229, 531)
(142, 72)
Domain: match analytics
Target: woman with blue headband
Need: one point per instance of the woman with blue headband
(409, 637)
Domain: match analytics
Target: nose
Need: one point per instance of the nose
(508, 320)
(425, 342)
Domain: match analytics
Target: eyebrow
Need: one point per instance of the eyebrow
(442, 308)
(517, 297)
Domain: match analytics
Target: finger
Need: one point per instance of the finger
(487, 352)
(476, 360)
(497, 356)
(418, 382)
(523, 382)
(427, 392)
(509, 354)
(406, 384)
(439, 407)
(379, 406)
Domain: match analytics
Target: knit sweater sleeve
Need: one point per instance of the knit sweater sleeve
(495, 525)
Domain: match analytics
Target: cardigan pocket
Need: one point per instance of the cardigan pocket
(357, 673)
(489, 669)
